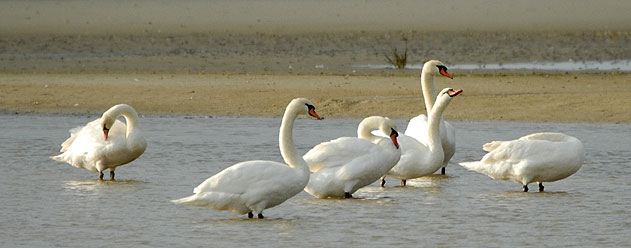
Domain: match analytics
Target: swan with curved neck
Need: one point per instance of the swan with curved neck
(423, 158)
(253, 186)
(538, 157)
(417, 127)
(342, 166)
(105, 143)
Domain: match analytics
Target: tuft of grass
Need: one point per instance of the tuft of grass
(398, 60)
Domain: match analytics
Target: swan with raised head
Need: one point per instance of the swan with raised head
(423, 158)
(417, 127)
(538, 157)
(104, 143)
(253, 186)
(342, 166)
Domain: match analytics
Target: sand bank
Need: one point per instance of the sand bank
(536, 98)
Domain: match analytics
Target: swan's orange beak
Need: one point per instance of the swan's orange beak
(393, 137)
(314, 114)
(443, 71)
(105, 132)
(453, 92)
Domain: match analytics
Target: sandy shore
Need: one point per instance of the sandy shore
(250, 58)
(537, 98)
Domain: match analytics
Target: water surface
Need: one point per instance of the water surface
(50, 204)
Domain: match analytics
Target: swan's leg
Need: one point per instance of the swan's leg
(403, 182)
(526, 188)
(540, 187)
(442, 171)
(250, 215)
(347, 195)
(100, 168)
(112, 174)
(383, 181)
(261, 216)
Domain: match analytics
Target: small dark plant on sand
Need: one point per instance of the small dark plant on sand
(398, 60)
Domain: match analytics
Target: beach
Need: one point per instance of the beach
(530, 98)
(244, 58)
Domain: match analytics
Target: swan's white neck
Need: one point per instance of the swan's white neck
(286, 142)
(427, 85)
(131, 117)
(365, 127)
(433, 129)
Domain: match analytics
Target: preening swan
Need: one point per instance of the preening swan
(539, 157)
(342, 166)
(417, 127)
(104, 143)
(422, 158)
(253, 186)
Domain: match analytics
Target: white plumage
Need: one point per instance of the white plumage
(539, 157)
(418, 126)
(253, 186)
(423, 158)
(342, 166)
(104, 143)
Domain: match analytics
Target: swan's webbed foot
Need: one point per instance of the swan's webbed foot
(525, 188)
(540, 187)
(347, 195)
(403, 182)
(112, 174)
(100, 175)
(383, 182)
(442, 171)
(250, 215)
(261, 216)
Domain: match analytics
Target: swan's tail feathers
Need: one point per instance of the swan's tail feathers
(59, 158)
(215, 200)
(491, 145)
(474, 166)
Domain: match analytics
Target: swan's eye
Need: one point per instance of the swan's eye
(309, 106)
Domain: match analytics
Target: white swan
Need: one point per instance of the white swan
(417, 127)
(342, 166)
(254, 186)
(539, 157)
(104, 143)
(422, 158)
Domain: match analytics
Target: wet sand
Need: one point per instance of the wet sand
(531, 98)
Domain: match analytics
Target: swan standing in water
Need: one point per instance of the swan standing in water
(539, 157)
(104, 143)
(423, 158)
(342, 166)
(253, 186)
(417, 127)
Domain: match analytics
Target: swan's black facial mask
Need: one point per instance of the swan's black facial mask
(393, 137)
(105, 132)
(443, 71)
(312, 112)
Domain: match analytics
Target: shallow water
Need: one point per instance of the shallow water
(577, 66)
(47, 204)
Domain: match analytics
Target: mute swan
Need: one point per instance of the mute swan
(539, 157)
(417, 127)
(422, 158)
(104, 143)
(342, 166)
(254, 186)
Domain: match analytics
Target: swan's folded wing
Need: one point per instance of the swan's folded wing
(417, 128)
(337, 152)
(244, 176)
